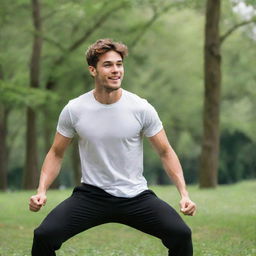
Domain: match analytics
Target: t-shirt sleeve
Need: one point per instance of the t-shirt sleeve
(152, 123)
(65, 126)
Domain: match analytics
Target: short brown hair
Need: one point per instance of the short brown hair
(102, 46)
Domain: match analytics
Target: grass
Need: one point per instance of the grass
(225, 225)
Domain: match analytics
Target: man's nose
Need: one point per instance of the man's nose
(115, 68)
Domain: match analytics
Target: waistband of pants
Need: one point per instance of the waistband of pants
(94, 190)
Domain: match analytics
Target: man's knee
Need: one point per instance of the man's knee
(181, 235)
(46, 237)
(44, 244)
(186, 232)
(41, 235)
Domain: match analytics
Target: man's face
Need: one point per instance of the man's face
(109, 71)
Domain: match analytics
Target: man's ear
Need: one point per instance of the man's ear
(92, 70)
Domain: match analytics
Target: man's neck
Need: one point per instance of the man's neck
(107, 96)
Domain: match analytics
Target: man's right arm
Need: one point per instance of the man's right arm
(50, 170)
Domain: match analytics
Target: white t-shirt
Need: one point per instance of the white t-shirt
(110, 140)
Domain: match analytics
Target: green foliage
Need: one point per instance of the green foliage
(20, 96)
(237, 158)
(238, 100)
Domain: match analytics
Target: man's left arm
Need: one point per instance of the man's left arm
(174, 170)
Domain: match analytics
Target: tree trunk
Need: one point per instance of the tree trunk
(3, 148)
(3, 143)
(212, 82)
(31, 166)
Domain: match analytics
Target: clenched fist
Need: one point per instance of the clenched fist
(36, 202)
(187, 207)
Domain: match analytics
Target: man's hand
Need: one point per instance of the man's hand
(187, 207)
(37, 201)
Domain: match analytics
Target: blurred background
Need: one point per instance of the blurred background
(196, 67)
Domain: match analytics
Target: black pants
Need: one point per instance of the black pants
(90, 206)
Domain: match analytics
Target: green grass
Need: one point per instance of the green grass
(225, 225)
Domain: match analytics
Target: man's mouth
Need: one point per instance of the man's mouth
(115, 78)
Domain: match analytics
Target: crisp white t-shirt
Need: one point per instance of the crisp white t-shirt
(110, 140)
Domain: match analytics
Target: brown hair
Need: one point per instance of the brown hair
(102, 46)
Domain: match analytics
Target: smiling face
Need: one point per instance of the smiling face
(109, 71)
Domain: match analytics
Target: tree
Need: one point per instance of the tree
(4, 111)
(208, 172)
(212, 84)
(31, 165)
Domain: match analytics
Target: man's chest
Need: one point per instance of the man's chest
(108, 124)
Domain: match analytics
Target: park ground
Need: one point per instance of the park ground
(225, 225)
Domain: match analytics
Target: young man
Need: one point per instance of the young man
(110, 123)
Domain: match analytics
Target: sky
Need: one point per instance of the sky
(246, 11)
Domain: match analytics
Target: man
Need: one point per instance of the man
(110, 123)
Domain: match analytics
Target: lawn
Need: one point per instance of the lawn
(225, 225)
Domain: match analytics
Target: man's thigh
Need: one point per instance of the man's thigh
(152, 215)
(77, 213)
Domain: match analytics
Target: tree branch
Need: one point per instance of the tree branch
(96, 25)
(147, 25)
(96, 15)
(49, 15)
(235, 27)
(52, 42)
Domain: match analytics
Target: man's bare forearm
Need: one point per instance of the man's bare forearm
(174, 170)
(50, 170)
